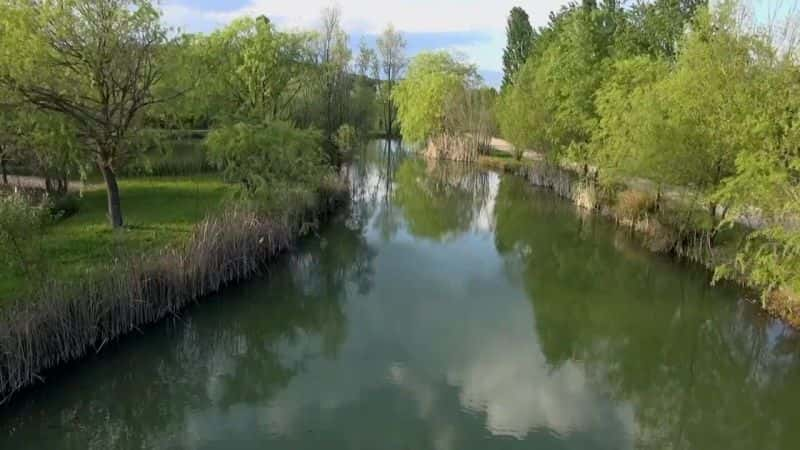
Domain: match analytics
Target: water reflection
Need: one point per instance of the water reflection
(203, 380)
(442, 200)
(449, 308)
(699, 368)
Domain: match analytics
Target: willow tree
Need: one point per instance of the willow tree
(435, 104)
(96, 62)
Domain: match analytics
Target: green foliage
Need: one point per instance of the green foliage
(20, 227)
(266, 158)
(655, 123)
(245, 70)
(519, 38)
(623, 106)
(656, 28)
(432, 79)
(689, 98)
(97, 63)
(553, 96)
(346, 138)
(64, 206)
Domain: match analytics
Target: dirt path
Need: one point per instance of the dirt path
(27, 182)
(504, 146)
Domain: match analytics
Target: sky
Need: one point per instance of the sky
(473, 27)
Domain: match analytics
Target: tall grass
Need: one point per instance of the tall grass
(67, 320)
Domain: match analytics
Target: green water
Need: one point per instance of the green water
(449, 309)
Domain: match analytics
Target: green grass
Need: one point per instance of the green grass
(503, 162)
(158, 212)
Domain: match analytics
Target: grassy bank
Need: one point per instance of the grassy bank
(65, 318)
(670, 225)
(159, 212)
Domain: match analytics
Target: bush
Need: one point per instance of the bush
(64, 206)
(20, 223)
(633, 205)
(265, 159)
(346, 138)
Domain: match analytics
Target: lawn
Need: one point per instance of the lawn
(158, 212)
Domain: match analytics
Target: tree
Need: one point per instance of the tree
(47, 144)
(97, 62)
(664, 129)
(439, 103)
(333, 58)
(367, 60)
(247, 71)
(553, 96)
(8, 140)
(271, 66)
(519, 37)
(391, 49)
(656, 28)
(268, 158)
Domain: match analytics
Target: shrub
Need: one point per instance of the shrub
(20, 223)
(346, 138)
(64, 206)
(266, 158)
(633, 205)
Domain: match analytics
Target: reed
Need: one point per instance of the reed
(66, 320)
(670, 231)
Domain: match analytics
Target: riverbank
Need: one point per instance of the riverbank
(160, 211)
(665, 225)
(64, 320)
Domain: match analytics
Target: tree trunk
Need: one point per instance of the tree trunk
(112, 192)
(4, 170)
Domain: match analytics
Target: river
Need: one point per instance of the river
(449, 308)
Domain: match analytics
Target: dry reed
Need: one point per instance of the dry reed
(68, 320)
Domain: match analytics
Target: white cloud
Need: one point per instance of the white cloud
(369, 16)
(410, 15)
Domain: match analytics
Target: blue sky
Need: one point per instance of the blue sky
(475, 28)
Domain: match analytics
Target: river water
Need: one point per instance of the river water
(450, 308)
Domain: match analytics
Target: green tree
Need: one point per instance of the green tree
(267, 159)
(48, 146)
(392, 54)
(680, 136)
(519, 37)
(657, 28)
(249, 70)
(333, 59)
(432, 97)
(97, 62)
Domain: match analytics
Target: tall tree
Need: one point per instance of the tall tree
(440, 103)
(392, 51)
(519, 35)
(94, 61)
(333, 57)
(366, 60)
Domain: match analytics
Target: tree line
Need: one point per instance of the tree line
(694, 97)
(90, 85)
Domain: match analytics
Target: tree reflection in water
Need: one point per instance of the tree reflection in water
(449, 308)
(225, 355)
(695, 365)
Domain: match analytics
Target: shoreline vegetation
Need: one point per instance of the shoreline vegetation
(661, 230)
(66, 320)
(679, 119)
(205, 156)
